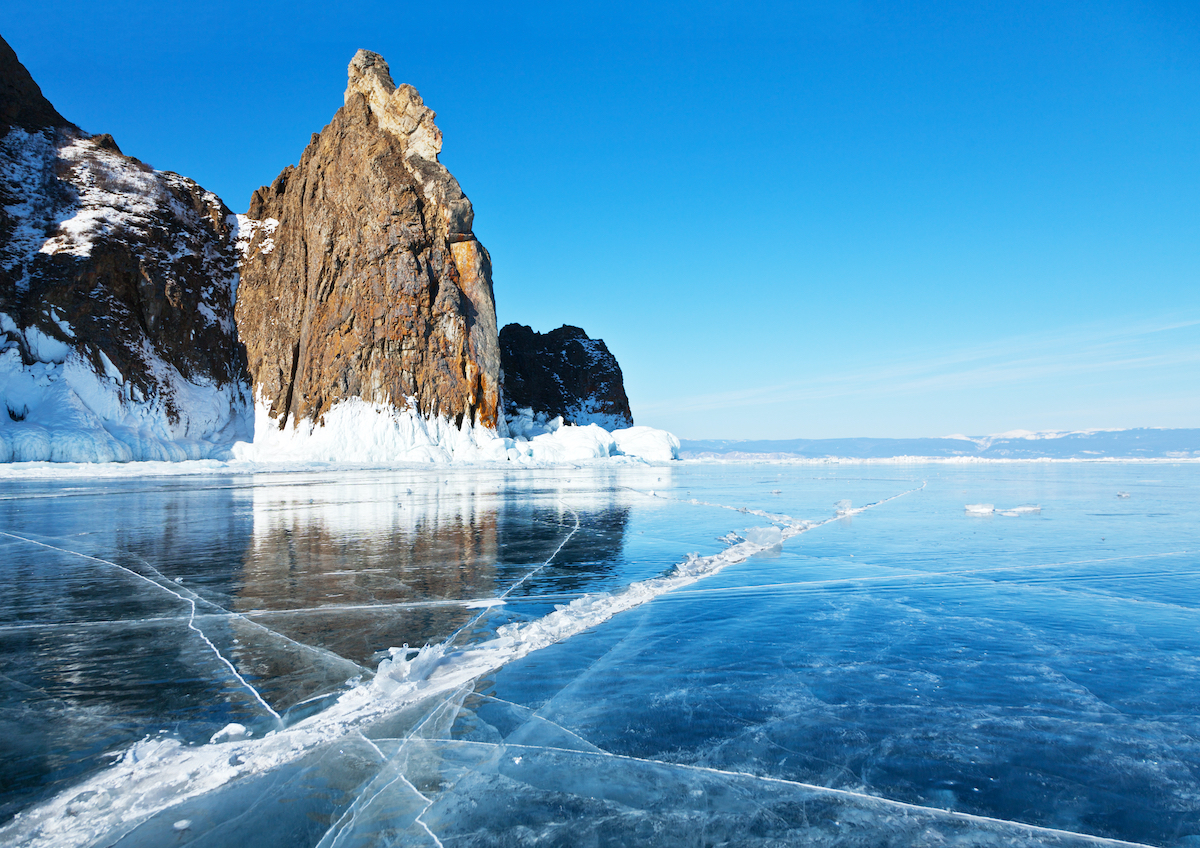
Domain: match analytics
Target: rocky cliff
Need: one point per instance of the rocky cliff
(562, 373)
(362, 278)
(364, 321)
(117, 281)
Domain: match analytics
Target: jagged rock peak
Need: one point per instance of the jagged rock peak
(361, 277)
(22, 103)
(399, 110)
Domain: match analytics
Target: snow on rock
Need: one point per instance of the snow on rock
(117, 284)
(58, 408)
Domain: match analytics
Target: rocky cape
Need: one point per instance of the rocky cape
(349, 315)
(563, 374)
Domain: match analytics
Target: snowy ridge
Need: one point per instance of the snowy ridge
(157, 774)
(65, 397)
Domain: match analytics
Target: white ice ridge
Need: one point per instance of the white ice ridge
(158, 773)
(361, 431)
(909, 574)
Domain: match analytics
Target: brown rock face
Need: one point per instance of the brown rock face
(361, 277)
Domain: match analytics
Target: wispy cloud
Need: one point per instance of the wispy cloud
(1151, 346)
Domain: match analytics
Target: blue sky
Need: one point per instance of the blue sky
(797, 220)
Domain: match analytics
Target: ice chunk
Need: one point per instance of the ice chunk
(767, 537)
(980, 509)
(233, 732)
(46, 348)
(647, 443)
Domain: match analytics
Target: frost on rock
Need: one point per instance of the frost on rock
(117, 283)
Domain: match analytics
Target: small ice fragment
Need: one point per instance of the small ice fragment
(230, 733)
(980, 509)
(516, 761)
(1122, 494)
(483, 603)
(767, 537)
(183, 824)
(1025, 509)
(776, 492)
(842, 507)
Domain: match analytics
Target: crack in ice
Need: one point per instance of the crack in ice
(190, 622)
(175, 774)
(843, 793)
(503, 595)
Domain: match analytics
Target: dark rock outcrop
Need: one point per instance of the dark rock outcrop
(116, 296)
(563, 373)
(362, 278)
(22, 103)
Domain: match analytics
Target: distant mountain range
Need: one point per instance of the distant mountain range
(1142, 443)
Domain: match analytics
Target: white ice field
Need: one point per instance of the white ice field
(618, 654)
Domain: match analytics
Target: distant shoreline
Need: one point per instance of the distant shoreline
(774, 459)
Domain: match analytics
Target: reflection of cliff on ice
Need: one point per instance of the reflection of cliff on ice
(158, 775)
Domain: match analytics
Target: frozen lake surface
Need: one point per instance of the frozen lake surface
(686, 655)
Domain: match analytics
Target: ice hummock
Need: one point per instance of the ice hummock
(361, 431)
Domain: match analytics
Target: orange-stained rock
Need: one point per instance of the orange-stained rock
(361, 277)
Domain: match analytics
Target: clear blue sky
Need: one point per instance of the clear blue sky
(786, 220)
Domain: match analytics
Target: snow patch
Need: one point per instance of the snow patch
(60, 410)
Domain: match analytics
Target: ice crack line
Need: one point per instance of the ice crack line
(524, 577)
(843, 793)
(191, 622)
(345, 823)
(320, 652)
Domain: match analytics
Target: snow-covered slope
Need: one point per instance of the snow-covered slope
(116, 293)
